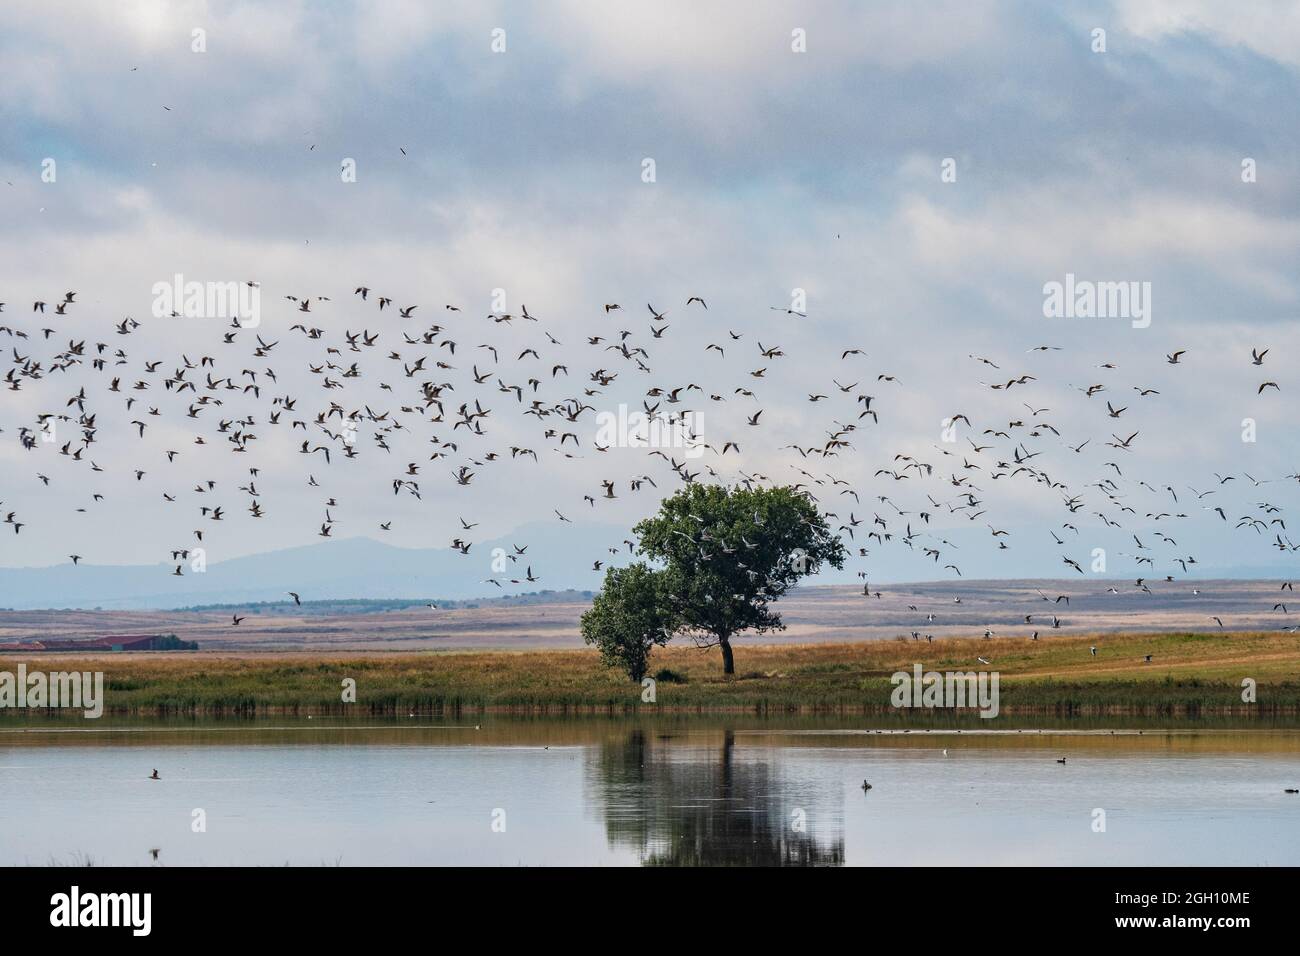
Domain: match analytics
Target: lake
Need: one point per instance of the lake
(501, 791)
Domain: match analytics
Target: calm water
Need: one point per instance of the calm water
(608, 792)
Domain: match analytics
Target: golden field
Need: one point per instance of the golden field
(1189, 674)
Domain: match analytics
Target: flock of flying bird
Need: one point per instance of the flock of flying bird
(502, 391)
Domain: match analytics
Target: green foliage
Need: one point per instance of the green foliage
(727, 553)
(171, 642)
(629, 617)
(724, 555)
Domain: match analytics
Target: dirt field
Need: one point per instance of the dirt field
(812, 615)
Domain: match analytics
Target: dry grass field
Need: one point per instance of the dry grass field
(1189, 674)
(836, 655)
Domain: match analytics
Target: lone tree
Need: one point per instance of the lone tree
(723, 555)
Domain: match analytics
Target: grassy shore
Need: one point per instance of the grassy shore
(1190, 674)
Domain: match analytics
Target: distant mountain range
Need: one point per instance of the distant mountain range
(332, 570)
(561, 558)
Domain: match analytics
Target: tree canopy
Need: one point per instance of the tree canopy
(723, 556)
(628, 617)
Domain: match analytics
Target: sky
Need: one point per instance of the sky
(909, 176)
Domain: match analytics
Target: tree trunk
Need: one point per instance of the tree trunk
(728, 662)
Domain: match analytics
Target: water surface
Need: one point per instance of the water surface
(506, 792)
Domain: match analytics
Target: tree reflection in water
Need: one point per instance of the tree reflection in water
(683, 803)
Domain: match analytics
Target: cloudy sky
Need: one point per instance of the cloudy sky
(504, 147)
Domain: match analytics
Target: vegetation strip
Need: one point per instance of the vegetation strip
(1188, 674)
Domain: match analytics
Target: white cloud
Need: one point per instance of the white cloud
(1268, 28)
